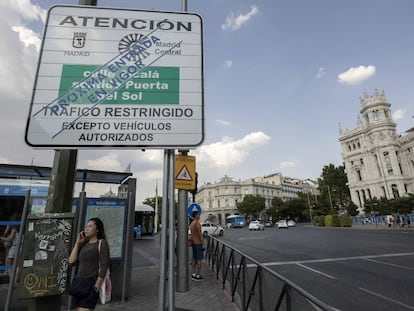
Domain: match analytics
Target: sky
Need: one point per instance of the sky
(279, 78)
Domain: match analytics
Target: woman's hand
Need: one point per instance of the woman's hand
(81, 238)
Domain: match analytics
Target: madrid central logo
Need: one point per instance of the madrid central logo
(127, 41)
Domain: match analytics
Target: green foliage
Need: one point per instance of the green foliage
(151, 202)
(336, 221)
(293, 208)
(345, 221)
(319, 221)
(251, 205)
(328, 221)
(277, 205)
(332, 221)
(383, 206)
(402, 205)
(333, 188)
(352, 209)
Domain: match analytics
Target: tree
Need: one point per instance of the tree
(151, 202)
(333, 183)
(274, 210)
(295, 209)
(383, 206)
(352, 209)
(251, 205)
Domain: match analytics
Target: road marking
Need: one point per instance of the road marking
(389, 264)
(317, 271)
(296, 262)
(387, 298)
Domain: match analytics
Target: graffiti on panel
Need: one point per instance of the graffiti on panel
(45, 262)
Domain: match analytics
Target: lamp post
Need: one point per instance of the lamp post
(330, 197)
(309, 206)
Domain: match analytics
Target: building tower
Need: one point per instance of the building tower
(377, 159)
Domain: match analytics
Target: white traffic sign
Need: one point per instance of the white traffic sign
(118, 78)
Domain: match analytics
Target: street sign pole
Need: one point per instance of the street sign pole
(182, 243)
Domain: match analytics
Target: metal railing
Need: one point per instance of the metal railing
(254, 286)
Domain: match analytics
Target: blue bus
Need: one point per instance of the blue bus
(144, 220)
(236, 221)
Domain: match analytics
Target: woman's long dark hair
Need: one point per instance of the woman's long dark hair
(100, 230)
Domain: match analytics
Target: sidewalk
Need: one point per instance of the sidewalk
(205, 295)
(381, 226)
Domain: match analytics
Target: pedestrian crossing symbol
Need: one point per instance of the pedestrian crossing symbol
(184, 174)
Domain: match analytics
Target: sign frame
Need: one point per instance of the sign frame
(185, 172)
(163, 123)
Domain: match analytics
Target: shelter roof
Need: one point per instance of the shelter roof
(16, 171)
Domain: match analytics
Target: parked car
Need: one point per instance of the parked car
(291, 223)
(269, 224)
(210, 228)
(282, 224)
(256, 225)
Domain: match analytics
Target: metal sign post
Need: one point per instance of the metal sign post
(167, 231)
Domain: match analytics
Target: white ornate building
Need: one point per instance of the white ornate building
(219, 200)
(378, 161)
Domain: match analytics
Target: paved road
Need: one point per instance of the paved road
(349, 268)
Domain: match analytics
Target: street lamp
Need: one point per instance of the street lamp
(329, 194)
(310, 210)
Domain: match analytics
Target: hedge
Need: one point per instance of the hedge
(332, 221)
(346, 221)
(319, 221)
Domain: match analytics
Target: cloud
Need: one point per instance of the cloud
(228, 63)
(223, 122)
(288, 164)
(230, 152)
(19, 56)
(398, 114)
(28, 37)
(233, 22)
(108, 162)
(321, 73)
(16, 11)
(356, 75)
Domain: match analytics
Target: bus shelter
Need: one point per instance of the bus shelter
(116, 213)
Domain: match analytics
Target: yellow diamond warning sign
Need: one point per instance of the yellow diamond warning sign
(184, 172)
